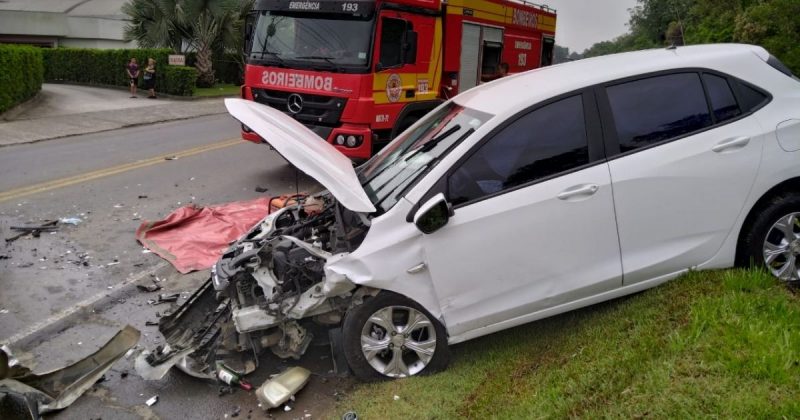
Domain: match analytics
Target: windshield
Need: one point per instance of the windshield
(386, 176)
(314, 40)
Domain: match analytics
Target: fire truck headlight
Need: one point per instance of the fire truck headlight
(352, 141)
(340, 140)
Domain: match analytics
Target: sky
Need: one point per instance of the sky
(581, 23)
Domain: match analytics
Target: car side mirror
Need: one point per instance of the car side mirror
(433, 215)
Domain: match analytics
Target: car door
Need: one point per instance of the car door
(533, 224)
(689, 154)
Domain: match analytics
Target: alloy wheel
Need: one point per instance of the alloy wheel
(398, 341)
(781, 248)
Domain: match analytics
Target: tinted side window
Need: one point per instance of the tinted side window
(722, 100)
(391, 42)
(650, 110)
(751, 98)
(544, 142)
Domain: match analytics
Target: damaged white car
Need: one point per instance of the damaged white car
(517, 200)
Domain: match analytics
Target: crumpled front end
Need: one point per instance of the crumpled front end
(273, 289)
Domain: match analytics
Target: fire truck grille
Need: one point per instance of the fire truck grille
(314, 109)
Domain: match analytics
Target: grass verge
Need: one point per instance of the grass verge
(217, 90)
(720, 343)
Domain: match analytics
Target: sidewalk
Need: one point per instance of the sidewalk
(68, 110)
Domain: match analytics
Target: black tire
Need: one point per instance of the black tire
(751, 247)
(357, 318)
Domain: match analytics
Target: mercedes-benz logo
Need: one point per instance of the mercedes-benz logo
(294, 103)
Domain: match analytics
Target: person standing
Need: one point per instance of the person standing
(150, 78)
(133, 74)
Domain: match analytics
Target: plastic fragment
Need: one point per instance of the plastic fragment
(152, 401)
(70, 221)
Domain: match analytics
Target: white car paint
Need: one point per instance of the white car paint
(526, 255)
(304, 149)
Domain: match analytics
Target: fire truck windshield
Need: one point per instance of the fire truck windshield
(305, 40)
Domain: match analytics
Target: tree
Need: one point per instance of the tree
(772, 24)
(203, 26)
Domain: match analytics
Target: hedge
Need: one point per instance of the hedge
(108, 67)
(181, 80)
(21, 74)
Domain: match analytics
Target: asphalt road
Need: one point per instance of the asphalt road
(61, 310)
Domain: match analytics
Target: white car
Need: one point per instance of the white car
(520, 199)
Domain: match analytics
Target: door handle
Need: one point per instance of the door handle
(578, 190)
(730, 144)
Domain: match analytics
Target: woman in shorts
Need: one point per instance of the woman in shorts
(133, 74)
(150, 78)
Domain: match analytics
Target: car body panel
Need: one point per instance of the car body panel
(304, 149)
(524, 251)
(677, 202)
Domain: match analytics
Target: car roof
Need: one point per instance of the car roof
(508, 95)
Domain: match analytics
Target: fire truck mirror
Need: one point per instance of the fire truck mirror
(410, 48)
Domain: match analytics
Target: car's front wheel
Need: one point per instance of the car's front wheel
(774, 238)
(390, 336)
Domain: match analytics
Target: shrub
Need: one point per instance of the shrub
(21, 74)
(180, 80)
(108, 67)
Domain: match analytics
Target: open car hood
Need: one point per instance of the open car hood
(305, 150)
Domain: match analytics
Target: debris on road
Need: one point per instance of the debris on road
(56, 390)
(229, 377)
(171, 158)
(142, 196)
(3, 311)
(151, 323)
(35, 231)
(148, 287)
(164, 298)
(150, 402)
(260, 189)
(74, 221)
(282, 387)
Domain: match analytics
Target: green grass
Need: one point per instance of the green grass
(723, 344)
(218, 90)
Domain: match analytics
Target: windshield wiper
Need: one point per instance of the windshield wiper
(274, 54)
(321, 57)
(430, 144)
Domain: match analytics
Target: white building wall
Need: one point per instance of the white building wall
(71, 23)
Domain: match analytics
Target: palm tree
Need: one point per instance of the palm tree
(202, 26)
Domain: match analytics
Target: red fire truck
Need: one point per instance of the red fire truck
(359, 72)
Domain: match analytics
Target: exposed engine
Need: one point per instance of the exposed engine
(267, 291)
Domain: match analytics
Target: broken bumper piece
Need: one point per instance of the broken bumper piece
(56, 390)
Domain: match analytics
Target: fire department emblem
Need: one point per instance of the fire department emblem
(394, 87)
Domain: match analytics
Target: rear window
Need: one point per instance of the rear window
(750, 97)
(722, 100)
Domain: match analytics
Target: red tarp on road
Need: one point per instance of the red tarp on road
(193, 238)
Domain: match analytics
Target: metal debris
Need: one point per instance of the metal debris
(58, 389)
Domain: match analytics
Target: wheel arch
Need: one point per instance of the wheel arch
(791, 185)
